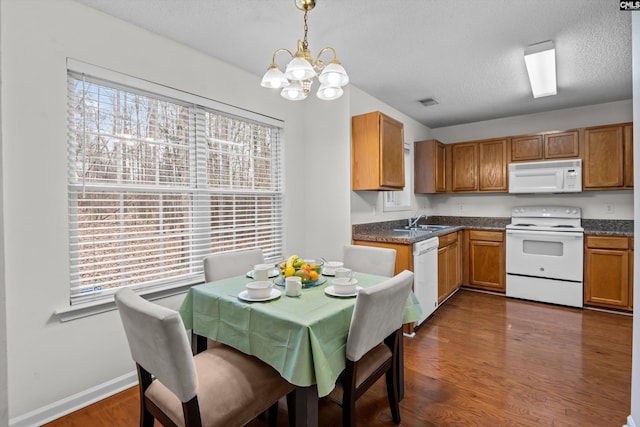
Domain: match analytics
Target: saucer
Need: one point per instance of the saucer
(244, 295)
(272, 273)
(329, 290)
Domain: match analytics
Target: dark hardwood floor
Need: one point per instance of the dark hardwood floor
(482, 360)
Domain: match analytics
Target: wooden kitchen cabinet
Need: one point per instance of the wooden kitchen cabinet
(545, 146)
(429, 167)
(492, 166)
(561, 145)
(628, 155)
(604, 157)
(404, 253)
(377, 152)
(608, 269)
(527, 148)
(486, 260)
(449, 265)
(464, 166)
(479, 166)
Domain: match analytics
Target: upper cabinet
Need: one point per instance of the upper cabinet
(429, 167)
(545, 146)
(377, 152)
(464, 166)
(492, 166)
(479, 166)
(608, 157)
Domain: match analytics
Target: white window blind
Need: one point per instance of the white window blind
(156, 183)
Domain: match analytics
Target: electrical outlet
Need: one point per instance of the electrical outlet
(460, 207)
(609, 208)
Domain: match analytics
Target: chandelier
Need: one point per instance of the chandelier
(297, 79)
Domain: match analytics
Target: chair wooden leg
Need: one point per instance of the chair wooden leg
(392, 378)
(144, 381)
(291, 408)
(349, 395)
(272, 417)
(392, 394)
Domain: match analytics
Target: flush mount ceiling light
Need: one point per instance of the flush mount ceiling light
(298, 77)
(540, 60)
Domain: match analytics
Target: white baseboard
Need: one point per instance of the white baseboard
(630, 422)
(77, 401)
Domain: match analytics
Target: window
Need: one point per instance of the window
(158, 181)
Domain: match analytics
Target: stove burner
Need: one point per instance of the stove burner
(563, 226)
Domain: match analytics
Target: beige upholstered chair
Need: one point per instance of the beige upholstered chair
(372, 345)
(218, 387)
(223, 265)
(370, 260)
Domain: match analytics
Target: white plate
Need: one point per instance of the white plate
(272, 273)
(329, 290)
(331, 272)
(244, 295)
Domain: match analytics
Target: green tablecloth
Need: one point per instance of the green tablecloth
(304, 338)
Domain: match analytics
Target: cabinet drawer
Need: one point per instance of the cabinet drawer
(607, 242)
(491, 236)
(447, 239)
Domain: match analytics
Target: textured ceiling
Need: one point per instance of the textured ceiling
(467, 54)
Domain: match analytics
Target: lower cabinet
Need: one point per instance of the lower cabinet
(486, 263)
(608, 272)
(404, 253)
(449, 265)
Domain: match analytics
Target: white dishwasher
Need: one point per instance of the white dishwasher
(425, 279)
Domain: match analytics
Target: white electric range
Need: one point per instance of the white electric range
(545, 254)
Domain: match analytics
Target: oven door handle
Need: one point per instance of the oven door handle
(557, 234)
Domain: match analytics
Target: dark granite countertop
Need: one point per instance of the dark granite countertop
(384, 231)
(608, 227)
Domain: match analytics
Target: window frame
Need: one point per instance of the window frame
(200, 193)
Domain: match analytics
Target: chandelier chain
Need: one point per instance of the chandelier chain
(306, 28)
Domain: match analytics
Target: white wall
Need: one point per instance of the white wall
(4, 411)
(366, 206)
(499, 204)
(634, 418)
(49, 360)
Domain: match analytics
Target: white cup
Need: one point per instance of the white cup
(261, 271)
(293, 286)
(342, 272)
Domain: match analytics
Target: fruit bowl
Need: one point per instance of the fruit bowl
(308, 270)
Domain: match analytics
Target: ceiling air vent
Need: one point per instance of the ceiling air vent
(427, 102)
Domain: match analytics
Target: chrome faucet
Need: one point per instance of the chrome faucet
(413, 222)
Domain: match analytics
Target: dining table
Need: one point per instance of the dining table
(304, 338)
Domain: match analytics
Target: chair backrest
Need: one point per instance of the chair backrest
(370, 259)
(223, 265)
(158, 342)
(378, 312)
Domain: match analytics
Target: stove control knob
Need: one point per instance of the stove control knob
(568, 210)
(575, 211)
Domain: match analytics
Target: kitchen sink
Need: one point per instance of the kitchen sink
(413, 231)
(433, 227)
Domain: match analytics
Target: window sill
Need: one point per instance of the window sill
(79, 311)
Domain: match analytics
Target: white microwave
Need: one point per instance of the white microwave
(552, 176)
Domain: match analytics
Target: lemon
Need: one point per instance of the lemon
(289, 271)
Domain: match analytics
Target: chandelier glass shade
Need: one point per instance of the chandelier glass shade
(297, 79)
